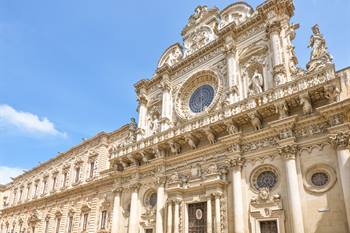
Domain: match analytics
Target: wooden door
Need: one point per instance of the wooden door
(268, 227)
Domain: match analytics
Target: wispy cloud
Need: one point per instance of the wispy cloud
(28, 122)
(7, 172)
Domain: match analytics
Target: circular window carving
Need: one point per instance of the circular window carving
(201, 98)
(264, 177)
(153, 199)
(319, 178)
(150, 199)
(198, 94)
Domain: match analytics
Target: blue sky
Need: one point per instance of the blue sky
(67, 67)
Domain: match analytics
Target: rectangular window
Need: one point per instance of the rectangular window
(14, 197)
(70, 224)
(77, 174)
(103, 219)
(64, 179)
(268, 227)
(36, 189)
(28, 191)
(20, 195)
(54, 183)
(92, 166)
(85, 221)
(58, 223)
(46, 226)
(44, 186)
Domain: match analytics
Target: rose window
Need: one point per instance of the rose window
(266, 176)
(266, 179)
(153, 200)
(201, 98)
(319, 179)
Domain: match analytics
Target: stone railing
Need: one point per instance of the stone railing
(305, 82)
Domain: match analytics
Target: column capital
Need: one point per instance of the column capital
(340, 140)
(273, 27)
(118, 190)
(237, 162)
(288, 151)
(177, 201)
(217, 194)
(142, 99)
(160, 180)
(135, 187)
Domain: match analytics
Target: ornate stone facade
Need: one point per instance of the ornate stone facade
(232, 137)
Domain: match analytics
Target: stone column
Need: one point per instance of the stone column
(217, 212)
(142, 113)
(274, 30)
(209, 215)
(166, 103)
(170, 217)
(116, 210)
(237, 165)
(134, 212)
(341, 143)
(160, 204)
(289, 152)
(177, 216)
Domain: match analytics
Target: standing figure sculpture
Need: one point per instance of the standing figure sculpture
(132, 130)
(256, 83)
(319, 54)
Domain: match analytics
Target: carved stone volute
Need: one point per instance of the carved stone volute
(340, 141)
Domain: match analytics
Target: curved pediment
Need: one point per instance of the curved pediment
(171, 56)
(237, 12)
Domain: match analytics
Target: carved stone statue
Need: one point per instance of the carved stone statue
(192, 141)
(175, 147)
(319, 54)
(231, 128)
(210, 136)
(132, 129)
(256, 83)
(305, 102)
(155, 123)
(174, 57)
(255, 120)
(332, 93)
(282, 109)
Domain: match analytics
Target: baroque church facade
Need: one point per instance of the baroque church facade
(232, 137)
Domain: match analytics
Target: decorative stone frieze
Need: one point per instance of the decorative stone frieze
(340, 140)
(288, 151)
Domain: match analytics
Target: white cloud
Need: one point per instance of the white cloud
(7, 172)
(28, 122)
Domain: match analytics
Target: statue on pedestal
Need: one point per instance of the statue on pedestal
(319, 54)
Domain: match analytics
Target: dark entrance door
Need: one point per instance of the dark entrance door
(268, 227)
(197, 218)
